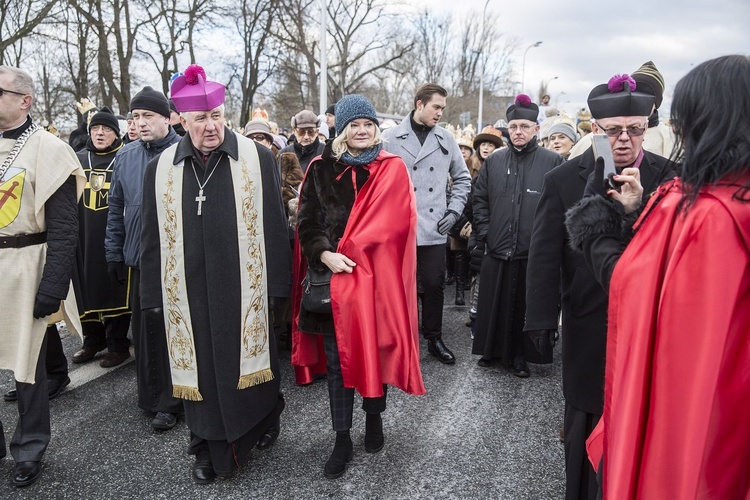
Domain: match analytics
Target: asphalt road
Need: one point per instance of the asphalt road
(477, 433)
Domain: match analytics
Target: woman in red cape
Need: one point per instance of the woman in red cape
(357, 217)
(676, 420)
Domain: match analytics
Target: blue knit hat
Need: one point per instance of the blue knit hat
(352, 107)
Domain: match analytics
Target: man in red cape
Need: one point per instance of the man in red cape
(676, 420)
(375, 307)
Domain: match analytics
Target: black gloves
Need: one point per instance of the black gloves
(45, 305)
(446, 223)
(543, 340)
(117, 272)
(477, 253)
(596, 185)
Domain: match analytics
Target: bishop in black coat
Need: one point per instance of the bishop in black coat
(228, 422)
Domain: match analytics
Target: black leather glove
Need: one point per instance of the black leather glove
(45, 305)
(477, 254)
(446, 223)
(543, 340)
(595, 184)
(117, 272)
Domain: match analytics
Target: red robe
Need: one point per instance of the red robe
(676, 420)
(374, 307)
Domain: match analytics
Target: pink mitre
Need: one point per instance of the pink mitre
(191, 92)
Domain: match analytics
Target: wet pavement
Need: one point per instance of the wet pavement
(477, 433)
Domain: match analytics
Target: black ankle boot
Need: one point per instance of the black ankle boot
(374, 439)
(342, 454)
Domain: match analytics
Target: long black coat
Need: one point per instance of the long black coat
(554, 267)
(212, 270)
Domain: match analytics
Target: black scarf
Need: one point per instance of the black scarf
(305, 151)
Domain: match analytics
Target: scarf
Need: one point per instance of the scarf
(365, 158)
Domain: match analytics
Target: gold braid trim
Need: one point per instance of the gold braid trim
(256, 378)
(185, 392)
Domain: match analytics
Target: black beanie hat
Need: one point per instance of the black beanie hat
(105, 117)
(331, 109)
(152, 100)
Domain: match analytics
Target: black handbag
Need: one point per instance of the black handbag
(316, 288)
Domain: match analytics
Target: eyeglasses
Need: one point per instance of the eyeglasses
(524, 126)
(2, 91)
(617, 132)
(258, 137)
(312, 132)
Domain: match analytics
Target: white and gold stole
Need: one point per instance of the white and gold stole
(255, 365)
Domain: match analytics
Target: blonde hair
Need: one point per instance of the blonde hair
(339, 145)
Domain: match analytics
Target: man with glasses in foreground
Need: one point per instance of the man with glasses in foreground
(558, 275)
(504, 199)
(41, 181)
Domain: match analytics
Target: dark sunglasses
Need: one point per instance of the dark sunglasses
(3, 91)
(258, 137)
(617, 132)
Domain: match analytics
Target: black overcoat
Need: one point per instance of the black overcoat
(557, 274)
(213, 285)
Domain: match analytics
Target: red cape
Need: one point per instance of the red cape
(676, 420)
(374, 307)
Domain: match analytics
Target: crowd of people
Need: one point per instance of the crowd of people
(625, 239)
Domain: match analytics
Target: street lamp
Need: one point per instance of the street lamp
(523, 66)
(481, 75)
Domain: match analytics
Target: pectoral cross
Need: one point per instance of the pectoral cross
(200, 199)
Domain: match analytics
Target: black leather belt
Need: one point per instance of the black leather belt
(23, 240)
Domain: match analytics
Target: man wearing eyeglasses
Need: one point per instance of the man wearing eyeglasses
(41, 181)
(504, 199)
(305, 127)
(558, 275)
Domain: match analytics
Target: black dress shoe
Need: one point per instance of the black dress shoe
(269, 437)
(520, 368)
(203, 472)
(112, 359)
(437, 348)
(56, 386)
(486, 362)
(26, 473)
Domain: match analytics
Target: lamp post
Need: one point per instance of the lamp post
(523, 66)
(323, 56)
(481, 75)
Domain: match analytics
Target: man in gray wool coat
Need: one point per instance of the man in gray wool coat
(432, 156)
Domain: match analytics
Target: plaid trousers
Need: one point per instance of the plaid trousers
(342, 399)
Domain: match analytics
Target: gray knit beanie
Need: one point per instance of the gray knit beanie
(564, 128)
(352, 107)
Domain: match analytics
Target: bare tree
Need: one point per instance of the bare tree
(112, 22)
(254, 21)
(432, 40)
(18, 20)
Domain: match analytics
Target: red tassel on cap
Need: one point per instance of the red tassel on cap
(617, 83)
(523, 100)
(192, 72)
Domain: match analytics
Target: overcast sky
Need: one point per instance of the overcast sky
(586, 43)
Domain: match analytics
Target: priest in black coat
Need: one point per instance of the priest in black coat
(214, 254)
(559, 277)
